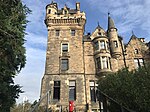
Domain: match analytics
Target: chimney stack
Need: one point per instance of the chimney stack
(78, 6)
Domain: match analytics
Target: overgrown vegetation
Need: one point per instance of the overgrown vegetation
(130, 88)
(12, 52)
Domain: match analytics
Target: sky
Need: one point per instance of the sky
(128, 15)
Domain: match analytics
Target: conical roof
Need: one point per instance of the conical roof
(110, 23)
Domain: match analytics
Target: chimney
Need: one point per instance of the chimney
(78, 6)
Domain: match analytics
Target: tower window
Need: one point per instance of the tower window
(73, 32)
(64, 64)
(56, 93)
(72, 90)
(93, 88)
(102, 44)
(115, 44)
(64, 47)
(98, 63)
(49, 11)
(57, 32)
(96, 45)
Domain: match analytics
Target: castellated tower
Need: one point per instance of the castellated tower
(75, 62)
(64, 71)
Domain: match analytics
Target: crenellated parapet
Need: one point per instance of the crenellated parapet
(64, 16)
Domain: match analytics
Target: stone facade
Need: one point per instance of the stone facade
(74, 61)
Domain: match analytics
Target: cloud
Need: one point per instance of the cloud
(36, 40)
(128, 14)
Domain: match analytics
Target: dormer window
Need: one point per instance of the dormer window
(65, 12)
(99, 33)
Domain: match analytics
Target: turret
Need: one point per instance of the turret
(113, 37)
(51, 9)
(101, 51)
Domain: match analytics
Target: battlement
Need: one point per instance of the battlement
(64, 16)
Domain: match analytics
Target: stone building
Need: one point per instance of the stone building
(75, 61)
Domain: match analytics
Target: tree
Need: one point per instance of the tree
(12, 52)
(130, 88)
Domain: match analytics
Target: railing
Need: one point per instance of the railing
(38, 103)
(107, 104)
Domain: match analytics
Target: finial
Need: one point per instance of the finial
(52, 1)
(108, 13)
(98, 23)
(132, 32)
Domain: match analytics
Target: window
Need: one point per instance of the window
(57, 32)
(107, 45)
(96, 45)
(73, 32)
(65, 47)
(56, 93)
(72, 90)
(115, 44)
(141, 62)
(98, 63)
(102, 44)
(65, 12)
(93, 88)
(105, 62)
(49, 11)
(136, 51)
(64, 64)
(99, 34)
(138, 63)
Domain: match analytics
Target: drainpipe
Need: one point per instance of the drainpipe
(85, 78)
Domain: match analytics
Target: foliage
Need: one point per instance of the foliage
(129, 88)
(21, 107)
(12, 52)
(26, 107)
